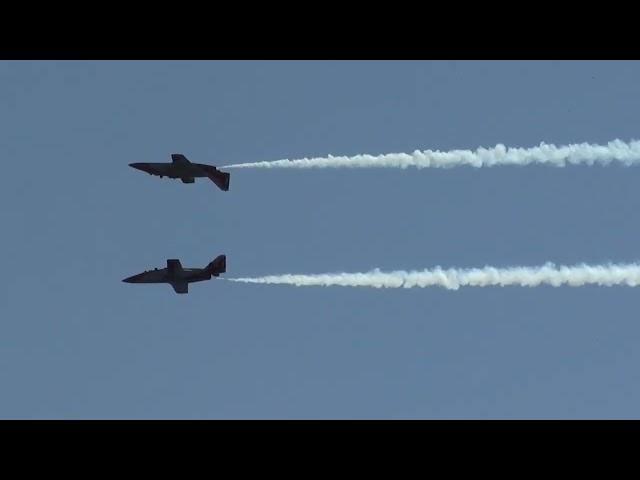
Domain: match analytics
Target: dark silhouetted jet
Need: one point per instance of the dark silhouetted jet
(186, 171)
(180, 278)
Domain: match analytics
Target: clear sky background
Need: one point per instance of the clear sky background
(76, 342)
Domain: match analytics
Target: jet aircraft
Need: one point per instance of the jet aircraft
(180, 167)
(178, 277)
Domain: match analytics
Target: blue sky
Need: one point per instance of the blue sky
(76, 342)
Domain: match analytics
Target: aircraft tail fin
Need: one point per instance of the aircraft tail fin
(218, 266)
(221, 179)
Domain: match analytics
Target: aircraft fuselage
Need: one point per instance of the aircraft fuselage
(171, 170)
(162, 275)
(187, 171)
(178, 277)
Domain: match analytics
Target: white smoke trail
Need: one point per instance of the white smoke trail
(453, 278)
(582, 153)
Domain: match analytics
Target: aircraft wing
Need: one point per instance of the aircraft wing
(180, 287)
(179, 159)
(173, 266)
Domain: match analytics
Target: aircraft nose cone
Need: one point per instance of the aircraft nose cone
(138, 278)
(134, 278)
(144, 167)
(138, 166)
